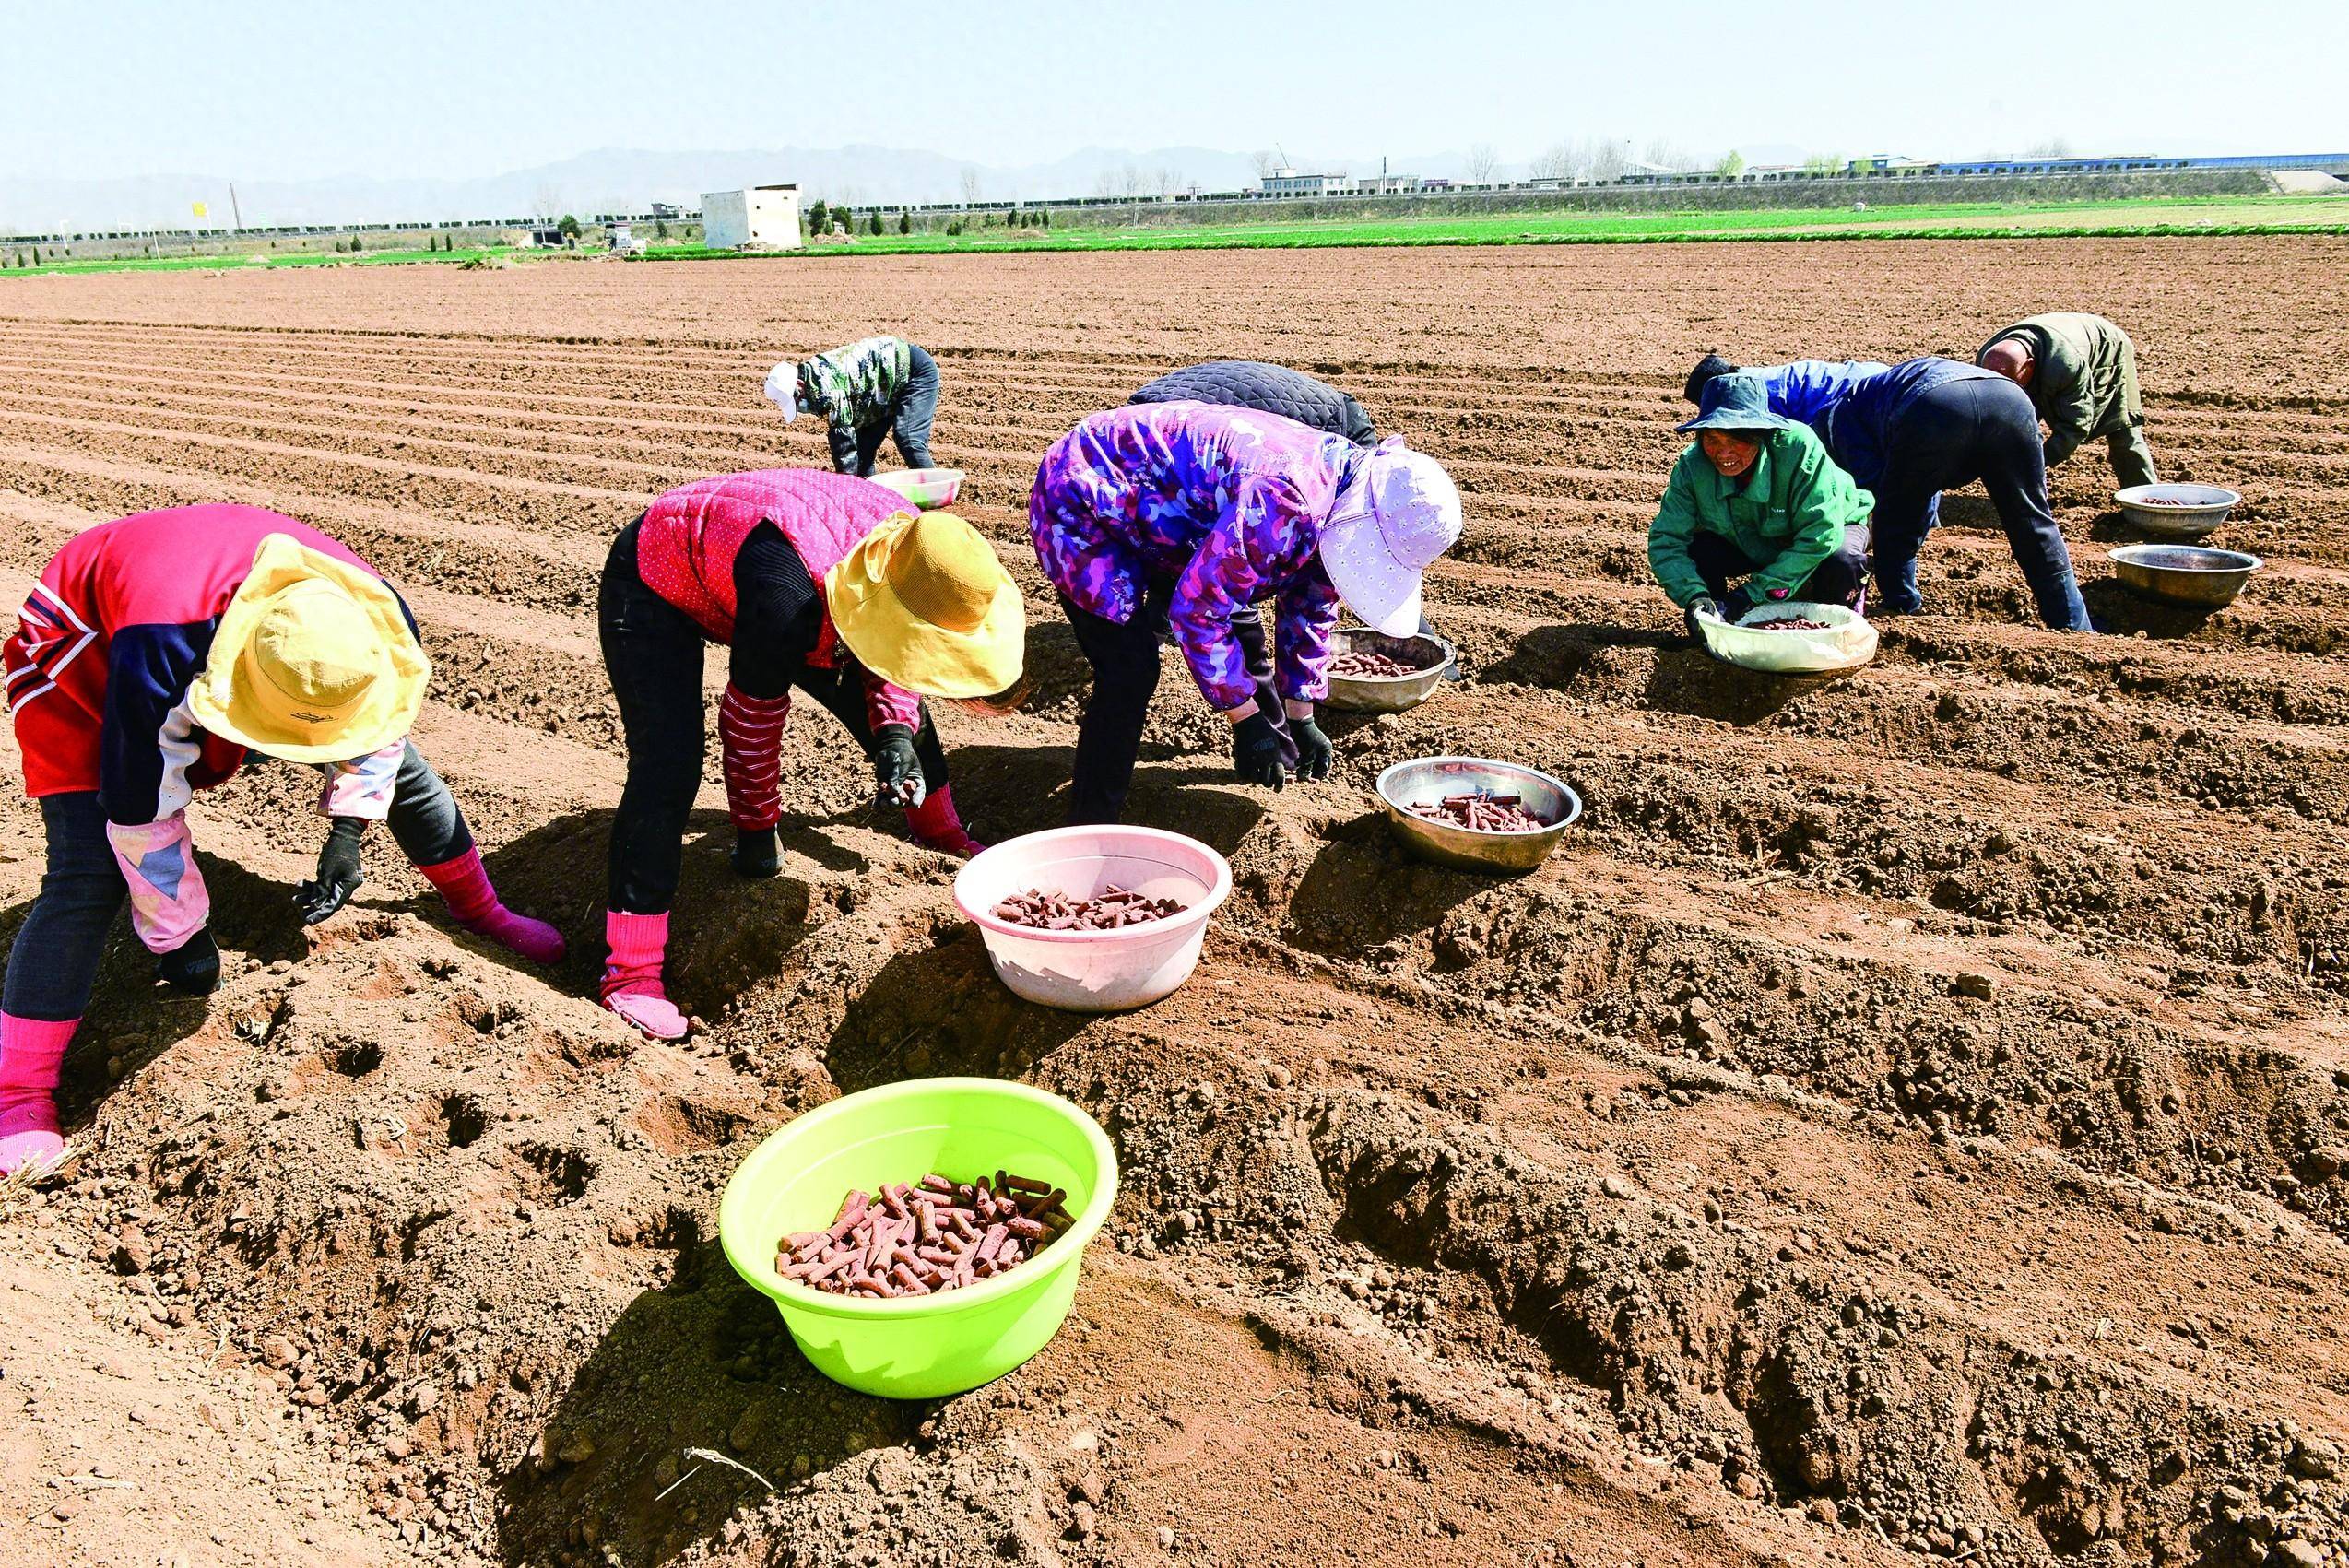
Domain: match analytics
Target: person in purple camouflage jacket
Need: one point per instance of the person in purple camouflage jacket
(1172, 521)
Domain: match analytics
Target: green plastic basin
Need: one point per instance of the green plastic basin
(921, 1347)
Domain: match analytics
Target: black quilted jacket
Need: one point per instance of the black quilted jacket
(1270, 389)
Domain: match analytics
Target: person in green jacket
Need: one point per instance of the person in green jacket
(2081, 372)
(868, 390)
(1757, 497)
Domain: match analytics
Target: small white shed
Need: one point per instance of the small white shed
(762, 216)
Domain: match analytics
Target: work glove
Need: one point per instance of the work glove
(1255, 750)
(1702, 604)
(1315, 754)
(896, 769)
(193, 966)
(338, 872)
(1737, 605)
(757, 854)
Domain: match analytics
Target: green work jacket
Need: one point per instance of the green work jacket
(1790, 511)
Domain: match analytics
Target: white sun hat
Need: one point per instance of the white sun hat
(783, 389)
(1401, 512)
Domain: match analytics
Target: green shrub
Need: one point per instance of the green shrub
(905, 223)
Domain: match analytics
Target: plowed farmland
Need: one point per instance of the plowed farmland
(1909, 1116)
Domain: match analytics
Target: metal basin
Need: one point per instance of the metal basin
(1425, 780)
(2190, 510)
(1388, 693)
(2183, 575)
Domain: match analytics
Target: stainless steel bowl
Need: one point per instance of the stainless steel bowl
(2190, 510)
(1388, 693)
(2183, 575)
(1425, 780)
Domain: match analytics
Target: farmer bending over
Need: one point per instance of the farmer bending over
(1175, 518)
(1756, 497)
(1267, 389)
(155, 653)
(1802, 390)
(813, 580)
(2081, 372)
(867, 389)
(1911, 431)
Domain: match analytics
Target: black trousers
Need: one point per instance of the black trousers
(853, 451)
(63, 935)
(1126, 660)
(1835, 580)
(1951, 435)
(653, 651)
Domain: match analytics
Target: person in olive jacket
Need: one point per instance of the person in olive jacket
(1755, 497)
(2081, 372)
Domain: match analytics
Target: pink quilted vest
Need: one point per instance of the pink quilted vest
(685, 546)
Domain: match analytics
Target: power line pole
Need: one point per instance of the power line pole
(236, 214)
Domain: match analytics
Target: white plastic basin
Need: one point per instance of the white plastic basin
(925, 488)
(1846, 644)
(1095, 972)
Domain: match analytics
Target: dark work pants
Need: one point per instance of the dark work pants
(53, 965)
(63, 935)
(1838, 580)
(1951, 435)
(1125, 660)
(852, 451)
(654, 654)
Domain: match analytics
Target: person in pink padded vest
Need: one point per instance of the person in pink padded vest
(824, 581)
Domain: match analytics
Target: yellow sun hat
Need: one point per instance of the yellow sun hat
(922, 603)
(314, 660)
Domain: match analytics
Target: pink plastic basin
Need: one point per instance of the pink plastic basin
(1095, 972)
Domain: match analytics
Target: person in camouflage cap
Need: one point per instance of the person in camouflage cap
(869, 389)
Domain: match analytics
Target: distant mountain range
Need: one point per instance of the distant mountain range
(623, 180)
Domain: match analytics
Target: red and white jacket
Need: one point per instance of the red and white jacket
(106, 648)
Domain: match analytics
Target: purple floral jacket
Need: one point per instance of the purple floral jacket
(1227, 504)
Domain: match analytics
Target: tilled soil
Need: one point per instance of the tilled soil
(1908, 1115)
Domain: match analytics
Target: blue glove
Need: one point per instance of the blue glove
(1737, 605)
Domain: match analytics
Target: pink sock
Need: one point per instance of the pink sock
(32, 1051)
(936, 825)
(474, 905)
(631, 984)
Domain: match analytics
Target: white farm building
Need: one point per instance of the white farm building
(763, 218)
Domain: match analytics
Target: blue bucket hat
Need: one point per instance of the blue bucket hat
(1738, 402)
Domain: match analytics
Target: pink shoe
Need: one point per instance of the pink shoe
(650, 1011)
(474, 905)
(32, 1052)
(631, 984)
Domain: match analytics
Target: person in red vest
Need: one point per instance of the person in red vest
(155, 652)
(826, 581)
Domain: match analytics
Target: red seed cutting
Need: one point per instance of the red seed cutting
(1481, 812)
(1370, 666)
(936, 1236)
(1790, 623)
(1112, 909)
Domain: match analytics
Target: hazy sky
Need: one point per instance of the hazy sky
(271, 89)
